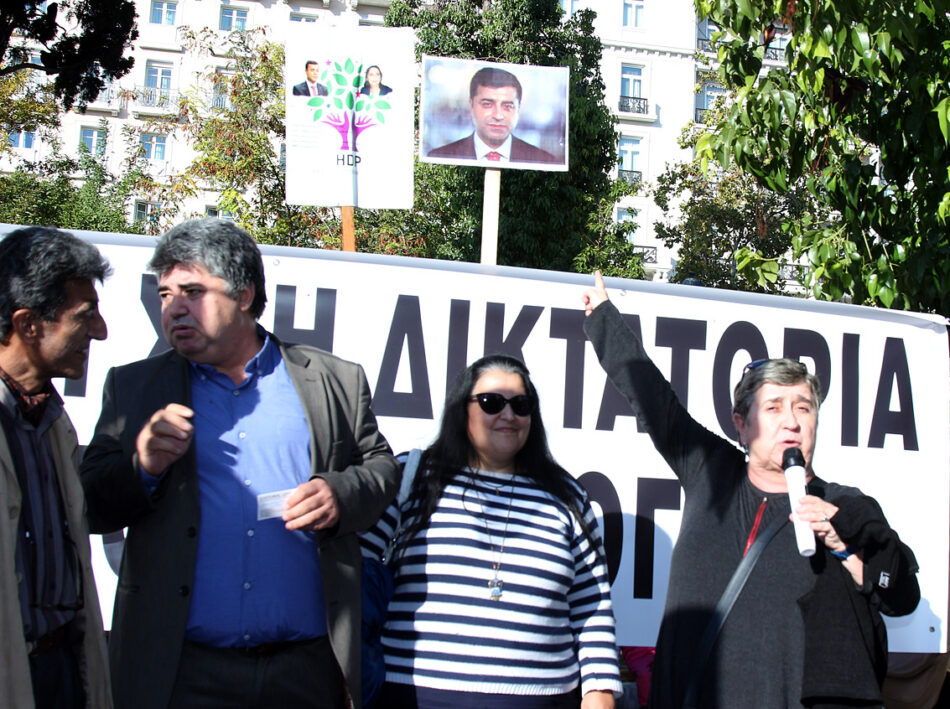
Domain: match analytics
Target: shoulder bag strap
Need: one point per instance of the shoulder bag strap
(726, 601)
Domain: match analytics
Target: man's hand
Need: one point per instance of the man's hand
(164, 438)
(311, 506)
(596, 295)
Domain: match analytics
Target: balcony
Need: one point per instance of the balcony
(631, 177)
(701, 114)
(634, 104)
(647, 252)
(774, 54)
(154, 100)
(705, 45)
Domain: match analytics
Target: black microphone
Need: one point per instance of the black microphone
(793, 462)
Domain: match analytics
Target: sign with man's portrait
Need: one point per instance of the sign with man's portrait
(493, 115)
(349, 101)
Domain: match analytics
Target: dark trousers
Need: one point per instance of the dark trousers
(57, 683)
(286, 675)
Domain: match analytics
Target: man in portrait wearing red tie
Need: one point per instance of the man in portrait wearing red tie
(311, 87)
(495, 101)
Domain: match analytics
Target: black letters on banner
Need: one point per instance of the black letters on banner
(569, 325)
(602, 491)
(738, 336)
(680, 336)
(457, 353)
(324, 318)
(850, 349)
(894, 370)
(495, 340)
(808, 343)
(652, 494)
(406, 326)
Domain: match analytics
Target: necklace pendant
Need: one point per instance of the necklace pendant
(495, 586)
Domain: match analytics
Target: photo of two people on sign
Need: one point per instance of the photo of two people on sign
(494, 115)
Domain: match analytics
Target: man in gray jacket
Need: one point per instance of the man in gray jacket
(53, 651)
(243, 468)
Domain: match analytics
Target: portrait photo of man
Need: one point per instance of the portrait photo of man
(494, 118)
(311, 87)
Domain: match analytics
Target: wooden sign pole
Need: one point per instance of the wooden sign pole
(349, 230)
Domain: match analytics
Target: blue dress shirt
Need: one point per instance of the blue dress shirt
(255, 582)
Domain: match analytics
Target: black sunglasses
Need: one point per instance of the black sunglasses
(493, 403)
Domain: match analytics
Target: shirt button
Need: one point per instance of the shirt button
(246, 637)
(236, 392)
(247, 585)
(250, 532)
(247, 483)
(242, 434)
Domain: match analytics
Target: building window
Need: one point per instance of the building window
(626, 215)
(221, 89)
(569, 6)
(233, 19)
(22, 139)
(163, 13)
(158, 83)
(630, 160)
(94, 139)
(631, 81)
(214, 211)
(301, 17)
(707, 99)
(147, 212)
(632, 13)
(153, 146)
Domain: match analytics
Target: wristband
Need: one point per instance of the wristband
(849, 550)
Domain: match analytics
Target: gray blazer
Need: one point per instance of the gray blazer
(152, 598)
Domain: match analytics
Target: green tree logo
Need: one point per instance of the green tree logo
(345, 109)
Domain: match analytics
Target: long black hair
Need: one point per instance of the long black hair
(452, 452)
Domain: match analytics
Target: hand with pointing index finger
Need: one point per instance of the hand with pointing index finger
(596, 295)
(164, 438)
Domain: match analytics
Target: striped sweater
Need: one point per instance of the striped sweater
(552, 626)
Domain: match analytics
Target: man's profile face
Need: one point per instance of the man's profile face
(63, 345)
(495, 113)
(313, 72)
(201, 320)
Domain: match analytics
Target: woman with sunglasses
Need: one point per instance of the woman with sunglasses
(501, 592)
(804, 630)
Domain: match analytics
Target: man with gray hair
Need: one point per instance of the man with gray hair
(243, 468)
(804, 630)
(53, 650)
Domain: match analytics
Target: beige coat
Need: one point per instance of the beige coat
(15, 686)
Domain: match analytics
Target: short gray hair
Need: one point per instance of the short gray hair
(219, 246)
(785, 372)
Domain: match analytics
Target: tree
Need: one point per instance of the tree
(81, 43)
(860, 114)
(545, 218)
(26, 104)
(715, 216)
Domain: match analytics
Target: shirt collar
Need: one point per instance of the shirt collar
(261, 364)
(482, 148)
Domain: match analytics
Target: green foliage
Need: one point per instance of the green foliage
(81, 43)
(545, 217)
(860, 116)
(26, 104)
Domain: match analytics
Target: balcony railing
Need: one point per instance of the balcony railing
(647, 252)
(774, 54)
(155, 97)
(631, 177)
(791, 272)
(701, 114)
(705, 45)
(634, 104)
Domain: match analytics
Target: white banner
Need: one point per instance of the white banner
(413, 324)
(350, 95)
